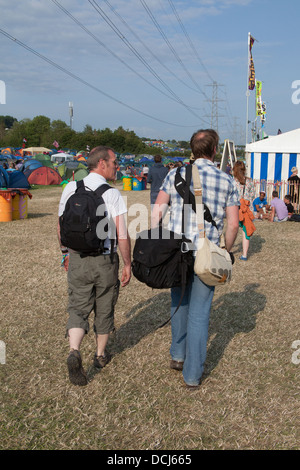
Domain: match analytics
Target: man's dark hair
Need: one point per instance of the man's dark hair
(275, 193)
(288, 197)
(98, 153)
(157, 158)
(204, 142)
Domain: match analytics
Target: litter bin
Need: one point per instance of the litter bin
(127, 183)
(137, 184)
(5, 205)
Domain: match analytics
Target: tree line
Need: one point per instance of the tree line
(42, 132)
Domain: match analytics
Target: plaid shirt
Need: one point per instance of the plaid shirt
(219, 192)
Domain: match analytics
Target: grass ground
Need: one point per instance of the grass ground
(249, 398)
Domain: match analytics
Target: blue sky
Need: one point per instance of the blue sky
(149, 65)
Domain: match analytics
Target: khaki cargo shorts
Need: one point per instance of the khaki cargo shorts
(92, 285)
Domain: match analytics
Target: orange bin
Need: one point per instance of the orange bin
(5, 205)
(13, 204)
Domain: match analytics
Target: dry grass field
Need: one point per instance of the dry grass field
(249, 398)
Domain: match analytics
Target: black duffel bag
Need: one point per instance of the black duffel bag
(162, 259)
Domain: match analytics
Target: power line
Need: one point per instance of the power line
(148, 49)
(188, 39)
(109, 50)
(84, 82)
(169, 44)
(135, 52)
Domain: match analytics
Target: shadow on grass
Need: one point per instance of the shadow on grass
(231, 314)
(256, 245)
(144, 318)
(36, 216)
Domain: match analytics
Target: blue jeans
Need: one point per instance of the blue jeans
(190, 328)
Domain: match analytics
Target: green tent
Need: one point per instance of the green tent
(41, 157)
(80, 174)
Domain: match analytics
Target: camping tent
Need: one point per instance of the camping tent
(80, 174)
(41, 157)
(32, 164)
(35, 150)
(45, 176)
(17, 179)
(272, 159)
(4, 178)
(66, 169)
(61, 157)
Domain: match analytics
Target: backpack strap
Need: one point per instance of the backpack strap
(99, 192)
(79, 185)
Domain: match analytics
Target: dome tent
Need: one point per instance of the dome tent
(4, 178)
(32, 164)
(45, 176)
(17, 179)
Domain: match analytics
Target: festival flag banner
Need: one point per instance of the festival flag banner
(260, 106)
(258, 98)
(251, 83)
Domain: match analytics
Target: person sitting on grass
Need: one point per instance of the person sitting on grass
(279, 211)
(289, 205)
(259, 205)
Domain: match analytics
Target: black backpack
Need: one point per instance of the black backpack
(78, 223)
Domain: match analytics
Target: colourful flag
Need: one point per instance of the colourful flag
(251, 84)
(55, 144)
(260, 106)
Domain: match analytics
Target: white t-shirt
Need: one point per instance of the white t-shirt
(114, 202)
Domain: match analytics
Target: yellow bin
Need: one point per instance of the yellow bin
(5, 207)
(127, 184)
(19, 207)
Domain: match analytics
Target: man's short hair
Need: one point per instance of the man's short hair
(98, 153)
(204, 142)
(157, 158)
(275, 193)
(288, 197)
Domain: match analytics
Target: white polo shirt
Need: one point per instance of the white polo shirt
(114, 202)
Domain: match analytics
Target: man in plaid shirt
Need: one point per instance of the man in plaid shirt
(190, 323)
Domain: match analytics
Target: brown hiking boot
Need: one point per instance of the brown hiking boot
(101, 361)
(77, 375)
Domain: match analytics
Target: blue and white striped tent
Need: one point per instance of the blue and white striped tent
(272, 159)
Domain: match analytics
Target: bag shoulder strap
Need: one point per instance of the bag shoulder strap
(199, 207)
(182, 186)
(99, 191)
(183, 189)
(199, 204)
(102, 188)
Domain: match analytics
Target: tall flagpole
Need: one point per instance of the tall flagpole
(248, 92)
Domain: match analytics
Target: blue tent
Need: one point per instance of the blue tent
(4, 179)
(17, 179)
(32, 164)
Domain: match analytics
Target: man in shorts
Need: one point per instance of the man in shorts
(93, 280)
